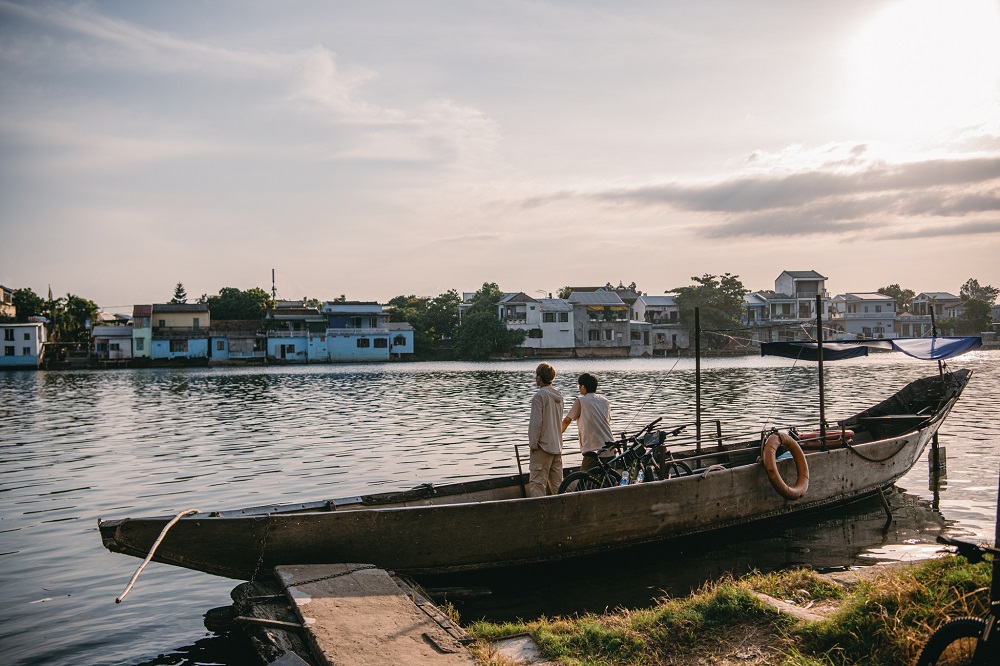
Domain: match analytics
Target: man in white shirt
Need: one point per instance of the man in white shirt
(592, 413)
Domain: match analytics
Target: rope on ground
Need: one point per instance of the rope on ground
(152, 550)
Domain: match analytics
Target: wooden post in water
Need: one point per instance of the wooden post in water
(936, 458)
(697, 378)
(995, 586)
(819, 351)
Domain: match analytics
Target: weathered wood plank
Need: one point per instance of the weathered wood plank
(356, 615)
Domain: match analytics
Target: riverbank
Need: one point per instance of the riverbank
(879, 616)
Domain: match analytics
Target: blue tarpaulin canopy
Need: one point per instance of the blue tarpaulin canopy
(928, 349)
(809, 351)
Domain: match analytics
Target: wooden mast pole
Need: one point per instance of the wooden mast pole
(697, 377)
(819, 351)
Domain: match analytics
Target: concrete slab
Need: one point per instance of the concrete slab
(357, 615)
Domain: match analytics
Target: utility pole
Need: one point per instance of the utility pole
(274, 288)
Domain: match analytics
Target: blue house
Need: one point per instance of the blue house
(356, 331)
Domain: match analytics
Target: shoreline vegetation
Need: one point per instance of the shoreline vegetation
(880, 616)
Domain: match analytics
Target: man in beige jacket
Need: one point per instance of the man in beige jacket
(545, 435)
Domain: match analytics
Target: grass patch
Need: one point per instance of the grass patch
(882, 621)
(887, 619)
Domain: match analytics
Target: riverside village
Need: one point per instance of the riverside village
(583, 322)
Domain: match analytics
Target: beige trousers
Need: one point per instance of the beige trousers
(544, 472)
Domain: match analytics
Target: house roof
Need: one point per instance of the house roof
(666, 300)
(295, 313)
(864, 296)
(236, 325)
(519, 297)
(142, 311)
(111, 332)
(352, 307)
(805, 275)
(180, 307)
(596, 298)
(555, 305)
(936, 295)
(773, 296)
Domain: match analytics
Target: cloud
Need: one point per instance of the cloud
(853, 195)
(69, 66)
(969, 228)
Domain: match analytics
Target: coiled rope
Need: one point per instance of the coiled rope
(152, 550)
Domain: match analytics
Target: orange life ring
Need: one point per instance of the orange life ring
(809, 441)
(771, 465)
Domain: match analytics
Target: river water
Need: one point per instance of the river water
(76, 446)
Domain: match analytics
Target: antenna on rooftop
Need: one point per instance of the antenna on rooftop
(274, 288)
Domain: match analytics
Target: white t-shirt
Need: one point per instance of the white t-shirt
(592, 413)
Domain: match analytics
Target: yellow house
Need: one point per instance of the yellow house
(173, 316)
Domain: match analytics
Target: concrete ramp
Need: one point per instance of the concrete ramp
(358, 615)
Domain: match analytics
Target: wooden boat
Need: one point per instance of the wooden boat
(489, 523)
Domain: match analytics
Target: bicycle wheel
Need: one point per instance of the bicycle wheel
(676, 468)
(953, 643)
(589, 480)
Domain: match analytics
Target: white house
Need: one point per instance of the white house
(927, 310)
(863, 315)
(547, 322)
(112, 343)
(804, 287)
(23, 344)
(662, 316)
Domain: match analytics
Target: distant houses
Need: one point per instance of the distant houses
(592, 322)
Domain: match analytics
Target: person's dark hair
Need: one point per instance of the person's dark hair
(546, 372)
(588, 381)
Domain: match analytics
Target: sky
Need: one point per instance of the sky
(386, 147)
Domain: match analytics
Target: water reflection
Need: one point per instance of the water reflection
(78, 445)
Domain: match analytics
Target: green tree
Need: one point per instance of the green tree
(904, 297)
(180, 295)
(433, 319)
(972, 289)
(482, 334)
(720, 303)
(28, 304)
(233, 303)
(977, 305)
(976, 317)
(565, 292)
(442, 314)
(413, 310)
(70, 318)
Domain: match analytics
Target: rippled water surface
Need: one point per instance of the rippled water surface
(75, 446)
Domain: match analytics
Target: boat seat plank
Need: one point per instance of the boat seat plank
(356, 615)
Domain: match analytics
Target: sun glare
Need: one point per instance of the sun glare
(923, 67)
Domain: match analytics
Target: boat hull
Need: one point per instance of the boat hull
(439, 534)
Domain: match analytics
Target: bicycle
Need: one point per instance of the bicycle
(634, 463)
(967, 640)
